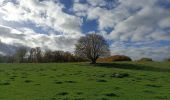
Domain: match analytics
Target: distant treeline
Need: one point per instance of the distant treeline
(36, 55)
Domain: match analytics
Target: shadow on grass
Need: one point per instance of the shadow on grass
(131, 67)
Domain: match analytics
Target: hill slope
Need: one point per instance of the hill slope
(82, 81)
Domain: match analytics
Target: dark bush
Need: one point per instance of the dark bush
(110, 94)
(63, 93)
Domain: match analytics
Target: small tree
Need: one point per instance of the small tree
(92, 46)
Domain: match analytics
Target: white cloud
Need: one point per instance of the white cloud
(30, 38)
(165, 23)
(141, 49)
(106, 18)
(44, 14)
(134, 20)
(97, 2)
(80, 9)
(143, 24)
(1, 2)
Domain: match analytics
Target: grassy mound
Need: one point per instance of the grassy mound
(114, 58)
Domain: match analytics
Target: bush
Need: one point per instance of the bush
(145, 59)
(167, 60)
(114, 58)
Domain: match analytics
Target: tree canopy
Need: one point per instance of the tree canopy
(92, 46)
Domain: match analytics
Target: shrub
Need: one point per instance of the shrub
(167, 60)
(145, 59)
(114, 58)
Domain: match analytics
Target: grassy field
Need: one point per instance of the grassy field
(82, 81)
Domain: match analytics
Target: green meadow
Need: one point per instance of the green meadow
(83, 81)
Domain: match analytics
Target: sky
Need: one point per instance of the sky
(135, 28)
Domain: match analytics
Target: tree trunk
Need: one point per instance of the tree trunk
(93, 61)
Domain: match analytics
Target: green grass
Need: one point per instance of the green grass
(82, 81)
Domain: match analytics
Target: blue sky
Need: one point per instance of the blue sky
(136, 28)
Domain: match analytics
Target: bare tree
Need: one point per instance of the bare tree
(20, 54)
(92, 46)
(47, 56)
(35, 55)
(38, 54)
(32, 55)
(60, 56)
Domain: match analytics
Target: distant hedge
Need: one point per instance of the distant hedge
(114, 58)
(145, 59)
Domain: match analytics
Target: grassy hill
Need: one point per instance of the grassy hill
(82, 81)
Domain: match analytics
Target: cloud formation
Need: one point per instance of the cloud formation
(141, 49)
(30, 38)
(125, 23)
(45, 14)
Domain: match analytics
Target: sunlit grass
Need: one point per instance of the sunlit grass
(82, 81)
